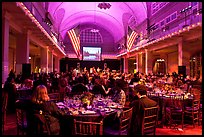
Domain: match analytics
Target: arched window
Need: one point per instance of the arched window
(90, 35)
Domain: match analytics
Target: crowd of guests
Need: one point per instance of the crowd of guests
(104, 82)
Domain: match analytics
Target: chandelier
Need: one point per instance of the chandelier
(104, 5)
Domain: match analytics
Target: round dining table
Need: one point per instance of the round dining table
(100, 110)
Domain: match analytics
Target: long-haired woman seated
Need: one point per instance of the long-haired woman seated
(48, 113)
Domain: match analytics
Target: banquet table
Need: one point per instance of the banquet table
(164, 100)
(22, 93)
(99, 110)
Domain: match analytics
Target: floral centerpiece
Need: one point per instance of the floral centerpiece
(87, 99)
(142, 82)
(167, 87)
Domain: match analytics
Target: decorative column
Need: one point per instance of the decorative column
(57, 64)
(148, 61)
(125, 65)
(44, 60)
(22, 50)
(5, 47)
(183, 56)
(137, 62)
(50, 60)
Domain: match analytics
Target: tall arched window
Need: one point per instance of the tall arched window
(90, 36)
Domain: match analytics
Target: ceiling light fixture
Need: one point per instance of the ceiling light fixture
(94, 30)
(104, 5)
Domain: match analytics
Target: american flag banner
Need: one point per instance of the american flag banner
(130, 38)
(74, 35)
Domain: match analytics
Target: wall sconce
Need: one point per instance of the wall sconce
(160, 60)
(165, 28)
(47, 19)
(121, 46)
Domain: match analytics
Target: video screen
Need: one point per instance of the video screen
(92, 53)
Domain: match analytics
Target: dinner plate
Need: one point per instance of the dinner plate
(113, 106)
(60, 104)
(88, 112)
(109, 110)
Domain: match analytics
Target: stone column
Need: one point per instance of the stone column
(125, 65)
(5, 48)
(140, 62)
(22, 50)
(44, 60)
(183, 56)
(137, 62)
(57, 64)
(50, 60)
(148, 61)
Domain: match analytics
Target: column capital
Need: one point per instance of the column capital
(6, 15)
(180, 39)
(26, 31)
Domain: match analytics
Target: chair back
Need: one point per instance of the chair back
(195, 105)
(42, 125)
(177, 101)
(125, 121)
(54, 97)
(149, 121)
(4, 108)
(4, 101)
(88, 128)
(21, 120)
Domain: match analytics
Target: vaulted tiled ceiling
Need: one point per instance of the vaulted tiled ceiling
(67, 15)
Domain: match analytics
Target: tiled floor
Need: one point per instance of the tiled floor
(10, 129)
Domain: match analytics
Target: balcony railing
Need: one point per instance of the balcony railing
(35, 12)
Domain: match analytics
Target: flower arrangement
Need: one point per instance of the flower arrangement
(167, 87)
(142, 82)
(87, 98)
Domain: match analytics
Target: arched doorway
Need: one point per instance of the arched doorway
(159, 66)
(196, 65)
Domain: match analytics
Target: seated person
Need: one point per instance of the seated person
(79, 88)
(135, 79)
(118, 95)
(138, 104)
(40, 104)
(98, 88)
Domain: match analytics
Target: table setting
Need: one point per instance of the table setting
(88, 104)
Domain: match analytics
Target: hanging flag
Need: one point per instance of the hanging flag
(130, 38)
(74, 35)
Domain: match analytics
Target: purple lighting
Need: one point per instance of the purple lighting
(104, 5)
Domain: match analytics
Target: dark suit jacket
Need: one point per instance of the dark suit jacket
(79, 88)
(135, 79)
(98, 89)
(137, 115)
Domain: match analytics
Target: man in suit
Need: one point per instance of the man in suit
(138, 105)
(136, 78)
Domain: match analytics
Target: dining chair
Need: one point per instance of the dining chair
(200, 115)
(191, 112)
(54, 97)
(42, 126)
(88, 128)
(21, 121)
(124, 123)
(4, 109)
(149, 121)
(174, 111)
